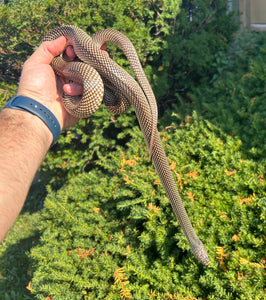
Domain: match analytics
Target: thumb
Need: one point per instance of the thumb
(48, 50)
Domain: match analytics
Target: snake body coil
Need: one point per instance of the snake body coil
(103, 79)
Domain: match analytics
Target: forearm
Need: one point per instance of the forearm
(24, 142)
(24, 137)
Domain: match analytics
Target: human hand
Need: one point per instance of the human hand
(39, 82)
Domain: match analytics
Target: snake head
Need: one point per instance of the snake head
(200, 253)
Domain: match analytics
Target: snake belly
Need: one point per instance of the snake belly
(104, 80)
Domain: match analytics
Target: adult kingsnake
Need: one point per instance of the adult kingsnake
(104, 80)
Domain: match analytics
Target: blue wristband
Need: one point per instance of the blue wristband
(37, 109)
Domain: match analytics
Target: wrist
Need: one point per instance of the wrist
(38, 110)
(32, 129)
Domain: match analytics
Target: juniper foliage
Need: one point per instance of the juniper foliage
(117, 217)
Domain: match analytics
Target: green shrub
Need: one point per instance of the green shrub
(111, 232)
(235, 101)
(7, 91)
(203, 29)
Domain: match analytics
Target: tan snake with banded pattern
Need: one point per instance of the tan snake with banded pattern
(104, 80)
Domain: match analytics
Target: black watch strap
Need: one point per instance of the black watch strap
(37, 109)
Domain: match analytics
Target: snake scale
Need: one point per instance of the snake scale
(103, 80)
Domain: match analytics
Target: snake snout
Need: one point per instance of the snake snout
(201, 254)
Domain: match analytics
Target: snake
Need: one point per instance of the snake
(105, 81)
